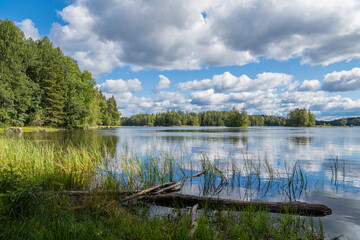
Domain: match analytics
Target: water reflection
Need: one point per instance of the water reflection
(301, 140)
(78, 138)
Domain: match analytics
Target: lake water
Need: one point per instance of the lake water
(326, 160)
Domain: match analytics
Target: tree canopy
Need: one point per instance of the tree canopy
(207, 118)
(41, 86)
(237, 119)
(300, 118)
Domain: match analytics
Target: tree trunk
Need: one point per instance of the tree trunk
(180, 200)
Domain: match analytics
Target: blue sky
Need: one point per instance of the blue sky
(267, 56)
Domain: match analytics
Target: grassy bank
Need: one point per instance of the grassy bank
(32, 173)
(52, 129)
(34, 129)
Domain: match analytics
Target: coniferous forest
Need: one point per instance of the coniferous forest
(41, 86)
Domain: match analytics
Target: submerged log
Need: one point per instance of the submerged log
(181, 200)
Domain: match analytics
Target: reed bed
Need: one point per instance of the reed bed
(48, 165)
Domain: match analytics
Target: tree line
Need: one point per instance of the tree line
(41, 86)
(232, 118)
(350, 121)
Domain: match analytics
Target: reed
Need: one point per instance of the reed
(48, 165)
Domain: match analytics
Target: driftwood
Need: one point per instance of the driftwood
(162, 188)
(181, 200)
(193, 220)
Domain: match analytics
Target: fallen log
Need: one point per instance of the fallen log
(181, 200)
(141, 193)
(193, 220)
(162, 188)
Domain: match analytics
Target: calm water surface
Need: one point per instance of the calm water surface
(329, 159)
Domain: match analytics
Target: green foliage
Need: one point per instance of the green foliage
(343, 122)
(39, 85)
(208, 118)
(237, 119)
(300, 118)
(113, 112)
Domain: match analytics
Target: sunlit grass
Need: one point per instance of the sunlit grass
(34, 129)
(47, 164)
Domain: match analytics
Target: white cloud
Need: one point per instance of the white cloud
(80, 41)
(169, 35)
(320, 103)
(309, 85)
(256, 98)
(120, 86)
(129, 104)
(208, 97)
(342, 81)
(227, 82)
(292, 86)
(163, 83)
(29, 29)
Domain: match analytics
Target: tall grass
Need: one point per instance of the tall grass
(49, 165)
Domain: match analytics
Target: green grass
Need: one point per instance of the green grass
(33, 129)
(31, 173)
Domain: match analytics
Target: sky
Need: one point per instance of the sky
(268, 57)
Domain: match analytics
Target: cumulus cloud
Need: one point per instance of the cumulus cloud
(208, 97)
(168, 35)
(320, 103)
(291, 87)
(163, 83)
(309, 85)
(29, 29)
(222, 92)
(227, 82)
(129, 104)
(120, 86)
(342, 81)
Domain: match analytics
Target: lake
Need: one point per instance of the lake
(316, 165)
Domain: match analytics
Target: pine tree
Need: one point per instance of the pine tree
(113, 112)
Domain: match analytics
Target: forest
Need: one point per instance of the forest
(350, 121)
(296, 118)
(40, 86)
(232, 118)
